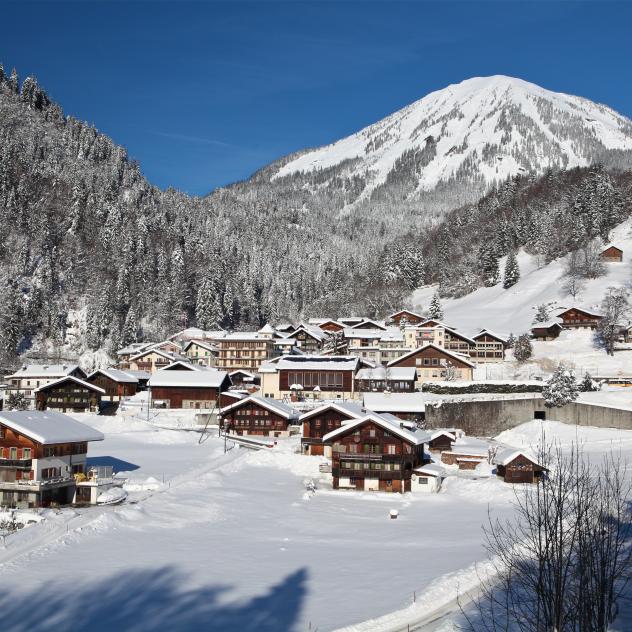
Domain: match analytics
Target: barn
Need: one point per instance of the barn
(516, 466)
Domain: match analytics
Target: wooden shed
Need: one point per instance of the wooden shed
(612, 254)
(515, 466)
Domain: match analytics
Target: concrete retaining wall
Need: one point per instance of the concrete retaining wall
(487, 418)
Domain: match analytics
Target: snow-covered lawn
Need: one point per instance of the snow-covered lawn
(234, 542)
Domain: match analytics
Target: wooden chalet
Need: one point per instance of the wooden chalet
(187, 389)
(69, 394)
(458, 342)
(375, 453)
(547, 331)
(515, 466)
(442, 439)
(244, 379)
(226, 398)
(612, 254)
(367, 323)
(579, 318)
(40, 454)
(309, 338)
(489, 347)
(331, 326)
(433, 363)
(116, 384)
(406, 317)
(395, 379)
(318, 422)
(258, 416)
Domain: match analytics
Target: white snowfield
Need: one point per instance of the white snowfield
(235, 541)
(452, 117)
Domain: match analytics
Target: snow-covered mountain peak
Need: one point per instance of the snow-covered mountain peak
(476, 132)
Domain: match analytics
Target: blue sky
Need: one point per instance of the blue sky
(205, 93)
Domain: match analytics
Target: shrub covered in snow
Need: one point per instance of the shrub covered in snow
(561, 389)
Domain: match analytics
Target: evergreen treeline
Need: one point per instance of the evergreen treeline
(84, 232)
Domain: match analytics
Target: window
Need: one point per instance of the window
(423, 480)
(391, 449)
(13, 453)
(26, 453)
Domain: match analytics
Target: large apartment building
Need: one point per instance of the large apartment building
(246, 350)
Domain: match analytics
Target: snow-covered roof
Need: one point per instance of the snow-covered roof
(405, 311)
(395, 402)
(76, 380)
(174, 357)
(116, 375)
(405, 373)
(288, 412)
(134, 347)
(350, 332)
(329, 321)
(611, 246)
(487, 332)
(354, 409)
(352, 320)
(507, 454)
(196, 332)
(368, 321)
(439, 432)
(186, 365)
(415, 437)
(457, 356)
(311, 330)
(458, 334)
(49, 427)
(579, 309)
(548, 324)
(139, 375)
(242, 372)
(431, 469)
(44, 370)
(199, 379)
(244, 336)
(470, 446)
(318, 363)
(267, 329)
(205, 344)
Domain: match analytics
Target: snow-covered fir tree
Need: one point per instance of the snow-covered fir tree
(588, 385)
(561, 388)
(435, 309)
(522, 348)
(542, 314)
(512, 270)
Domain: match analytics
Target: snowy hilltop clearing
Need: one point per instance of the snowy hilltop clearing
(513, 309)
(238, 539)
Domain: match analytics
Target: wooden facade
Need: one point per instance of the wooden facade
(331, 326)
(327, 380)
(464, 460)
(316, 424)
(308, 342)
(612, 254)
(520, 469)
(370, 456)
(406, 317)
(115, 390)
(197, 397)
(576, 318)
(441, 441)
(457, 342)
(252, 416)
(489, 348)
(69, 395)
(546, 331)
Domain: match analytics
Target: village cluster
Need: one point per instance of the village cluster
(352, 387)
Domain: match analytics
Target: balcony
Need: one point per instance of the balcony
(384, 475)
(20, 464)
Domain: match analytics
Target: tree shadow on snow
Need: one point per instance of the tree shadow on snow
(148, 601)
(118, 465)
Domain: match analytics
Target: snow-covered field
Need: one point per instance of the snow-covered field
(233, 541)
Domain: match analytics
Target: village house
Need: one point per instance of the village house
(331, 326)
(201, 352)
(170, 346)
(516, 466)
(375, 453)
(490, 347)
(226, 398)
(319, 377)
(350, 321)
(26, 379)
(187, 389)
(367, 323)
(378, 346)
(40, 454)
(547, 331)
(442, 439)
(130, 350)
(611, 254)
(244, 379)
(195, 333)
(284, 346)
(427, 478)
(154, 359)
(244, 350)
(259, 416)
(579, 318)
(381, 378)
(116, 384)
(141, 376)
(405, 317)
(69, 394)
(407, 406)
(434, 363)
(416, 336)
(458, 342)
(318, 422)
(309, 338)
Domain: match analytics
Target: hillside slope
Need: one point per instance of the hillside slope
(513, 310)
